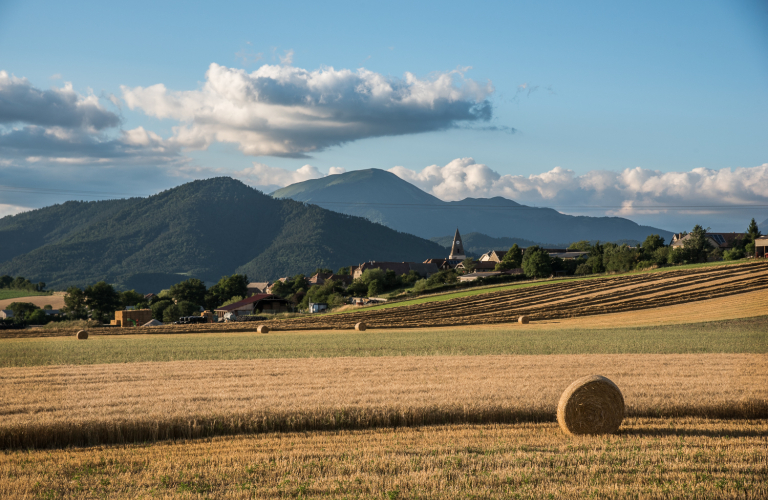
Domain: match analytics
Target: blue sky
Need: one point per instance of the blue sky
(593, 107)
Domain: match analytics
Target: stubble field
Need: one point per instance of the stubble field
(650, 458)
(408, 412)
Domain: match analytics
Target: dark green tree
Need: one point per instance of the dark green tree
(536, 262)
(37, 317)
(171, 313)
(159, 307)
(580, 246)
(469, 264)
(74, 304)
(192, 290)
(21, 310)
(102, 300)
(130, 298)
(697, 247)
(281, 289)
(513, 259)
(5, 281)
(374, 288)
(343, 271)
(652, 243)
(225, 289)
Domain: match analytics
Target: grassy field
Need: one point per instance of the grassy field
(13, 294)
(731, 336)
(138, 402)
(651, 458)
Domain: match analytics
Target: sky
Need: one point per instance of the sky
(653, 111)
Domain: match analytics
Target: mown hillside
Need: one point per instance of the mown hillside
(383, 197)
(202, 229)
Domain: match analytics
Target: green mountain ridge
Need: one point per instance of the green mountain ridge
(203, 229)
(383, 197)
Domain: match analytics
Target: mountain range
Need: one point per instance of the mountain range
(383, 197)
(203, 229)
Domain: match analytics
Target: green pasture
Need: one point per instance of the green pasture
(15, 294)
(732, 336)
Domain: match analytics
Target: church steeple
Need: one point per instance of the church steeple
(457, 249)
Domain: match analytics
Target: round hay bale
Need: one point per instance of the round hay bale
(360, 327)
(591, 405)
(523, 320)
(82, 335)
(263, 329)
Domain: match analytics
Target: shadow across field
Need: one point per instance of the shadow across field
(688, 432)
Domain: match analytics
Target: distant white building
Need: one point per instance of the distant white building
(6, 314)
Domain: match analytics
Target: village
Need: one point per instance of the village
(377, 282)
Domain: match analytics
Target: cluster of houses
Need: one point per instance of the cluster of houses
(723, 241)
(260, 299)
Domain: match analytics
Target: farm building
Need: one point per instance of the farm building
(493, 256)
(319, 278)
(134, 317)
(261, 303)
(723, 241)
(761, 247)
(475, 275)
(317, 308)
(6, 314)
(487, 266)
(257, 287)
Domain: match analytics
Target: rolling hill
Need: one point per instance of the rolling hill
(383, 197)
(203, 229)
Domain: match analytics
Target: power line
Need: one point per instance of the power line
(445, 206)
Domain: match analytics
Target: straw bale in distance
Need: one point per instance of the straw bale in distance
(591, 405)
(263, 329)
(360, 327)
(523, 320)
(82, 335)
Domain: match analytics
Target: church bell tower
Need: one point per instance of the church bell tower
(457, 249)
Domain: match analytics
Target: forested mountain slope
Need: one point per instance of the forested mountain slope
(202, 229)
(383, 197)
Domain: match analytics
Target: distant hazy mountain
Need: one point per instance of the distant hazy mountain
(763, 226)
(202, 229)
(383, 197)
(477, 244)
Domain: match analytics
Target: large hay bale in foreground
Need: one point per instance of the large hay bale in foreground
(591, 405)
(360, 327)
(523, 320)
(262, 329)
(82, 335)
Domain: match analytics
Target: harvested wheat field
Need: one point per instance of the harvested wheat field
(650, 458)
(560, 300)
(94, 404)
(55, 301)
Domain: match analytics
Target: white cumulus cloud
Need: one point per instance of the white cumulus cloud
(628, 192)
(281, 110)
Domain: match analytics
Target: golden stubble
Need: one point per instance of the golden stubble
(650, 458)
(92, 404)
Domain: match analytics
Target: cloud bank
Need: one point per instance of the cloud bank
(626, 190)
(60, 126)
(629, 192)
(280, 110)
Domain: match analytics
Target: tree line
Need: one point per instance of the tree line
(20, 283)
